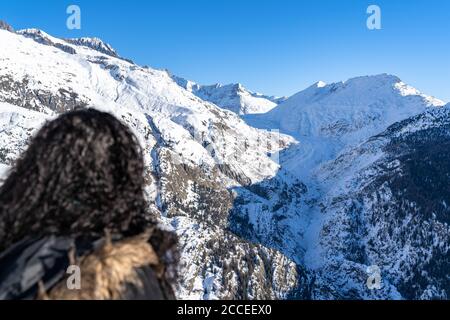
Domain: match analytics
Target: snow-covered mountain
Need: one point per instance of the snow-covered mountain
(327, 118)
(358, 176)
(94, 43)
(387, 205)
(340, 108)
(371, 153)
(233, 97)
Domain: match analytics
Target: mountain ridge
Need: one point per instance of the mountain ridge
(234, 97)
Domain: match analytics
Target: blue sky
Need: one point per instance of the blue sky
(272, 46)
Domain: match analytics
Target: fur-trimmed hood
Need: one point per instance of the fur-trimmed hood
(139, 267)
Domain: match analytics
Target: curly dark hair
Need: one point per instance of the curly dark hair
(81, 174)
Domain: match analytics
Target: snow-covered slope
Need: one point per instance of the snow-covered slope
(233, 97)
(387, 205)
(192, 147)
(3, 171)
(16, 127)
(349, 108)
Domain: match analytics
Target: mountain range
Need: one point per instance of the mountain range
(234, 97)
(272, 198)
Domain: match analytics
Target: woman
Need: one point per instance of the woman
(74, 202)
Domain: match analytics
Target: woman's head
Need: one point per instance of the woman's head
(82, 173)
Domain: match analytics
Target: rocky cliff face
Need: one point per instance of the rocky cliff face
(6, 26)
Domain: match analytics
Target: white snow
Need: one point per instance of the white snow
(3, 170)
(325, 119)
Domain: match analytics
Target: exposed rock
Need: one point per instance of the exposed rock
(5, 26)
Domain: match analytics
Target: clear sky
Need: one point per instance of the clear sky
(272, 46)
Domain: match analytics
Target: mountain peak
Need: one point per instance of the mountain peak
(6, 26)
(33, 31)
(234, 97)
(352, 107)
(43, 38)
(320, 84)
(383, 78)
(240, 87)
(391, 82)
(94, 43)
